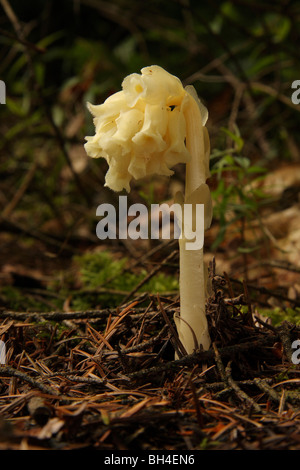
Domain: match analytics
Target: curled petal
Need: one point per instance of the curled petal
(117, 180)
(128, 125)
(176, 151)
(150, 139)
(134, 89)
(203, 110)
(141, 130)
(158, 166)
(111, 106)
(92, 147)
(155, 86)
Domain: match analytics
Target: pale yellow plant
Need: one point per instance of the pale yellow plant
(149, 126)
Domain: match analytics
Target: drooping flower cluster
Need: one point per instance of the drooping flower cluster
(149, 126)
(141, 130)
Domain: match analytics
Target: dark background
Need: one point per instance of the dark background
(242, 58)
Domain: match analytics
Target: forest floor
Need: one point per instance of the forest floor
(106, 378)
(73, 385)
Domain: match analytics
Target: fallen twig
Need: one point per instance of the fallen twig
(204, 356)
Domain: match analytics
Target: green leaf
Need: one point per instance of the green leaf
(256, 169)
(249, 249)
(235, 137)
(244, 162)
(15, 107)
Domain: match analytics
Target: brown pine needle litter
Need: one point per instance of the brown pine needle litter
(107, 379)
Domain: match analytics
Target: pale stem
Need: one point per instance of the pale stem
(192, 276)
(196, 167)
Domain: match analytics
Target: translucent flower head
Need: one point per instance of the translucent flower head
(141, 130)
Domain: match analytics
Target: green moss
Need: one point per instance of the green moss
(17, 300)
(100, 271)
(278, 315)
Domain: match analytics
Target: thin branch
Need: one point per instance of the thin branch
(204, 356)
(7, 371)
(24, 42)
(59, 137)
(21, 191)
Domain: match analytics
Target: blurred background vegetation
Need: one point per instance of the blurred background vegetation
(241, 56)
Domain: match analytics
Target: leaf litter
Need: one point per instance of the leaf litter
(108, 379)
